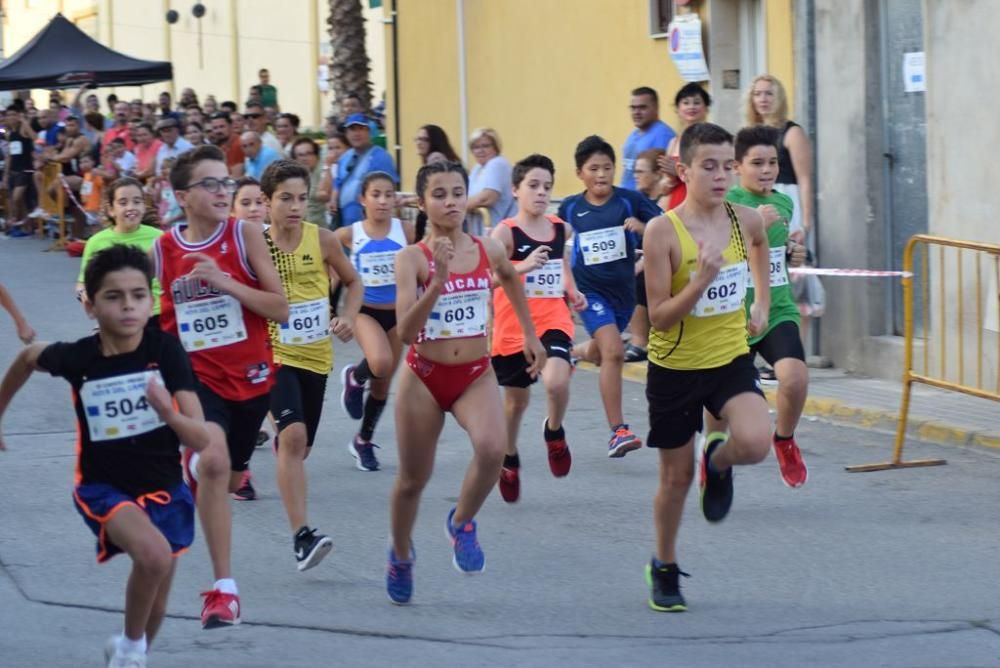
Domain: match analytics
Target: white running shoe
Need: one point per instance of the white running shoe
(118, 659)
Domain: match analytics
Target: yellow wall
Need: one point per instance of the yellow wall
(780, 38)
(544, 74)
(428, 76)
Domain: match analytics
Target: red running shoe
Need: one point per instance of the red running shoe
(510, 484)
(220, 610)
(189, 477)
(560, 459)
(793, 470)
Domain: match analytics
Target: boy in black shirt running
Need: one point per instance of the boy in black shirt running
(129, 488)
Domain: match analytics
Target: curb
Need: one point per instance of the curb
(839, 412)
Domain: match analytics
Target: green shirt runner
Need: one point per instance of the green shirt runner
(783, 308)
(142, 237)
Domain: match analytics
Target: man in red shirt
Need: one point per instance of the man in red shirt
(120, 129)
(223, 136)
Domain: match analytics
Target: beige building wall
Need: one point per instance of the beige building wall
(963, 92)
(547, 73)
(237, 38)
(849, 186)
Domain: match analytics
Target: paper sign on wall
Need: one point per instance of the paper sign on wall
(685, 47)
(914, 72)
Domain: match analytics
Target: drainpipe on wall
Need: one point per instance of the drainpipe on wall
(463, 102)
(314, 50)
(394, 20)
(169, 47)
(234, 30)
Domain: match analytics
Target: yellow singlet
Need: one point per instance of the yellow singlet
(715, 332)
(304, 341)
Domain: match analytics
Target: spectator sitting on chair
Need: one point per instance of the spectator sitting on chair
(258, 156)
(194, 114)
(118, 162)
(147, 147)
(195, 134)
(120, 128)
(169, 131)
(256, 121)
(286, 127)
(210, 106)
(72, 147)
(225, 137)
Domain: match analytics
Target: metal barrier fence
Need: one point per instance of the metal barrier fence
(950, 331)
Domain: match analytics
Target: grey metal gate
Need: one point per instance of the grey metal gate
(904, 123)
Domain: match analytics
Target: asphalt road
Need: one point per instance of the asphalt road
(878, 569)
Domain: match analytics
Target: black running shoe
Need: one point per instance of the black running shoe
(246, 491)
(716, 488)
(310, 547)
(665, 588)
(634, 353)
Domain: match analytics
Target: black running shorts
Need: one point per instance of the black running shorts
(297, 396)
(240, 420)
(677, 397)
(780, 343)
(385, 317)
(512, 370)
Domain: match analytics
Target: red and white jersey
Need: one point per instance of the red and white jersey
(229, 345)
(462, 309)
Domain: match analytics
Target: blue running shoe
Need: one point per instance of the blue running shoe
(364, 454)
(352, 396)
(469, 557)
(623, 441)
(399, 578)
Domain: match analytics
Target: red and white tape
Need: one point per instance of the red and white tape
(860, 273)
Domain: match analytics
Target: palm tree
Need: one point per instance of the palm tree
(349, 64)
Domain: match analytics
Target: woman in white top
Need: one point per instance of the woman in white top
(489, 181)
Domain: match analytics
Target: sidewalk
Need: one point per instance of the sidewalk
(936, 416)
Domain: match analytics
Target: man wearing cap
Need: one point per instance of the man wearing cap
(258, 156)
(168, 129)
(256, 120)
(362, 158)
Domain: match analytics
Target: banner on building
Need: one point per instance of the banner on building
(686, 49)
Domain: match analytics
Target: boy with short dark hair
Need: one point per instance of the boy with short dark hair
(129, 487)
(607, 223)
(696, 278)
(780, 344)
(220, 288)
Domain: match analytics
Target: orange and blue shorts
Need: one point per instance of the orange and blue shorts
(170, 511)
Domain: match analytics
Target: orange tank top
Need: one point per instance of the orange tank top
(543, 288)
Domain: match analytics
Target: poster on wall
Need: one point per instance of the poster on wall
(686, 49)
(914, 72)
